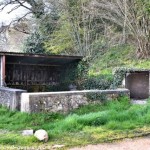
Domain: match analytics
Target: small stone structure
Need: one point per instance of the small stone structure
(10, 97)
(138, 82)
(66, 101)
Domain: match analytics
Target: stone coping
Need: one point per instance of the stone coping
(66, 101)
(134, 69)
(110, 91)
(11, 89)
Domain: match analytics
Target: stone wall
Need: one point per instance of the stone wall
(11, 98)
(66, 101)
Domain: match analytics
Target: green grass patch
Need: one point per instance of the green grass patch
(89, 124)
(117, 56)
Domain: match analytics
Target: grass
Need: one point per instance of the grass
(118, 56)
(89, 124)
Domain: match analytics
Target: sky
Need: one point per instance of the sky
(6, 18)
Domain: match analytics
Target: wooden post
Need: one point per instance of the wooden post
(2, 70)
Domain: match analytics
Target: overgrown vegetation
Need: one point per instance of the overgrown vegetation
(108, 34)
(118, 56)
(89, 124)
(85, 27)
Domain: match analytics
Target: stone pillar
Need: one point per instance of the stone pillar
(11, 98)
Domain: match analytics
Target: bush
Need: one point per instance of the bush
(101, 82)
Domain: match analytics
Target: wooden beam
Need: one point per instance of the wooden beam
(28, 64)
(41, 55)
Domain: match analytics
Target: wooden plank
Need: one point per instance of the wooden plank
(28, 64)
(33, 75)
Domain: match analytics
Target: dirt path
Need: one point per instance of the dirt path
(127, 144)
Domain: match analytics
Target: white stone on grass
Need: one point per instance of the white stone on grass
(41, 135)
(27, 132)
(140, 102)
(58, 146)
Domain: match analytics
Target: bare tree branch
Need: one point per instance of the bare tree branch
(4, 28)
(19, 19)
(3, 5)
(131, 15)
(21, 4)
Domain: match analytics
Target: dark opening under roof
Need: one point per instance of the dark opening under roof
(39, 59)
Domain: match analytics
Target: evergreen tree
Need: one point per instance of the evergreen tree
(34, 44)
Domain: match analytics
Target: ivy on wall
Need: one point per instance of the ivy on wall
(86, 82)
(119, 75)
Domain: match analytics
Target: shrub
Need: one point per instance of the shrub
(101, 82)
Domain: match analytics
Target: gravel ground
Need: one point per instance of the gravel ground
(127, 144)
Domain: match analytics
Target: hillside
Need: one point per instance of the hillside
(121, 56)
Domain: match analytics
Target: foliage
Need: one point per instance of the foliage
(77, 30)
(48, 23)
(116, 57)
(133, 18)
(80, 77)
(119, 75)
(82, 73)
(98, 82)
(85, 27)
(34, 44)
(60, 41)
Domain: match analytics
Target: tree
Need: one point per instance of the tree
(34, 6)
(34, 44)
(43, 20)
(78, 30)
(133, 16)
(68, 25)
(78, 26)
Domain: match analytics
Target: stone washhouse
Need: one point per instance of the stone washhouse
(19, 73)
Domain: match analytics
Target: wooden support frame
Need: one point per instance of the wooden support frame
(27, 70)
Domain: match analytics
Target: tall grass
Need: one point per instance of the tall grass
(114, 115)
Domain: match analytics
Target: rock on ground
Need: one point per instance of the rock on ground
(41, 135)
(27, 132)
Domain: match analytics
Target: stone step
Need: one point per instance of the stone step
(140, 102)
